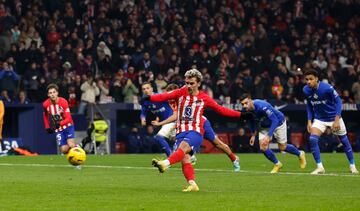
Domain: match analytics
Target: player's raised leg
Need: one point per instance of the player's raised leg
(210, 135)
(226, 149)
(188, 142)
(164, 145)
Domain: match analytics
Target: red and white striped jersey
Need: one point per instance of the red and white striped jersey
(59, 113)
(190, 108)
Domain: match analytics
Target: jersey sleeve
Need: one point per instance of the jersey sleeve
(67, 113)
(310, 110)
(46, 117)
(168, 95)
(335, 96)
(309, 107)
(273, 118)
(220, 109)
(144, 111)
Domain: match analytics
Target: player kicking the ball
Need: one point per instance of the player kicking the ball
(57, 109)
(324, 110)
(271, 123)
(209, 133)
(189, 124)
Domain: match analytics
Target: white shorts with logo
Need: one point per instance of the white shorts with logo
(323, 125)
(280, 133)
(168, 131)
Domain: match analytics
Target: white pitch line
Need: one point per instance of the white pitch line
(152, 168)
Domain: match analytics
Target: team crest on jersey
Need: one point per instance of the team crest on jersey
(315, 96)
(188, 111)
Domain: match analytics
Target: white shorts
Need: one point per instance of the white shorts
(280, 133)
(323, 125)
(168, 131)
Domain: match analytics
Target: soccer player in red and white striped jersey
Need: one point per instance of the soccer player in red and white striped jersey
(57, 109)
(189, 126)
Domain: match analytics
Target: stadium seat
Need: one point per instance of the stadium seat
(120, 147)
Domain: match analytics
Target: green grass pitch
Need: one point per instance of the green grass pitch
(128, 182)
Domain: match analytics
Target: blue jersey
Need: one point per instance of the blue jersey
(161, 110)
(323, 103)
(266, 116)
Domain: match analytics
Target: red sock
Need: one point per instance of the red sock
(232, 157)
(188, 171)
(177, 156)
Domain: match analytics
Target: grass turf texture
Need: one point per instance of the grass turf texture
(128, 182)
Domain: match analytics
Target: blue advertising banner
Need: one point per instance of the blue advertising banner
(10, 143)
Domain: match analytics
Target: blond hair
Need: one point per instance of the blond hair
(194, 73)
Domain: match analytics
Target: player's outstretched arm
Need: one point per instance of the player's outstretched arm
(171, 118)
(168, 95)
(209, 102)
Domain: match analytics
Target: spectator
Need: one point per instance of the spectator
(89, 92)
(103, 51)
(8, 80)
(104, 92)
(129, 91)
(134, 141)
(160, 83)
(356, 90)
(31, 82)
(149, 144)
(21, 98)
(5, 97)
(277, 89)
(241, 142)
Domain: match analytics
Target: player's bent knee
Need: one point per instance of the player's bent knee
(186, 159)
(282, 147)
(64, 149)
(184, 146)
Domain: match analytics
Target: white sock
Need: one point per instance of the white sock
(167, 162)
(192, 182)
(320, 165)
(352, 166)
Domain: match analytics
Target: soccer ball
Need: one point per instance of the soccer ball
(76, 156)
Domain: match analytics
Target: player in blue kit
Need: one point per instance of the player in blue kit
(269, 122)
(162, 111)
(324, 110)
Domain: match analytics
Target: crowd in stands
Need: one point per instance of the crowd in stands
(102, 50)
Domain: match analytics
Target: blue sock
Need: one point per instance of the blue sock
(314, 146)
(347, 148)
(271, 156)
(292, 149)
(163, 144)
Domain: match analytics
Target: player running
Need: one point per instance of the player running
(209, 133)
(324, 110)
(161, 110)
(189, 124)
(271, 122)
(61, 122)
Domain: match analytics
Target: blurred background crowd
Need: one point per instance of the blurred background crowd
(102, 50)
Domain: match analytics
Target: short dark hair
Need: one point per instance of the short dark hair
(244, 96)
(171, 87)
(52, 86)
(311, 72)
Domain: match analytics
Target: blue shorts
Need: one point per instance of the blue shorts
(209, 133)
(64, 135)
(194, 139)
